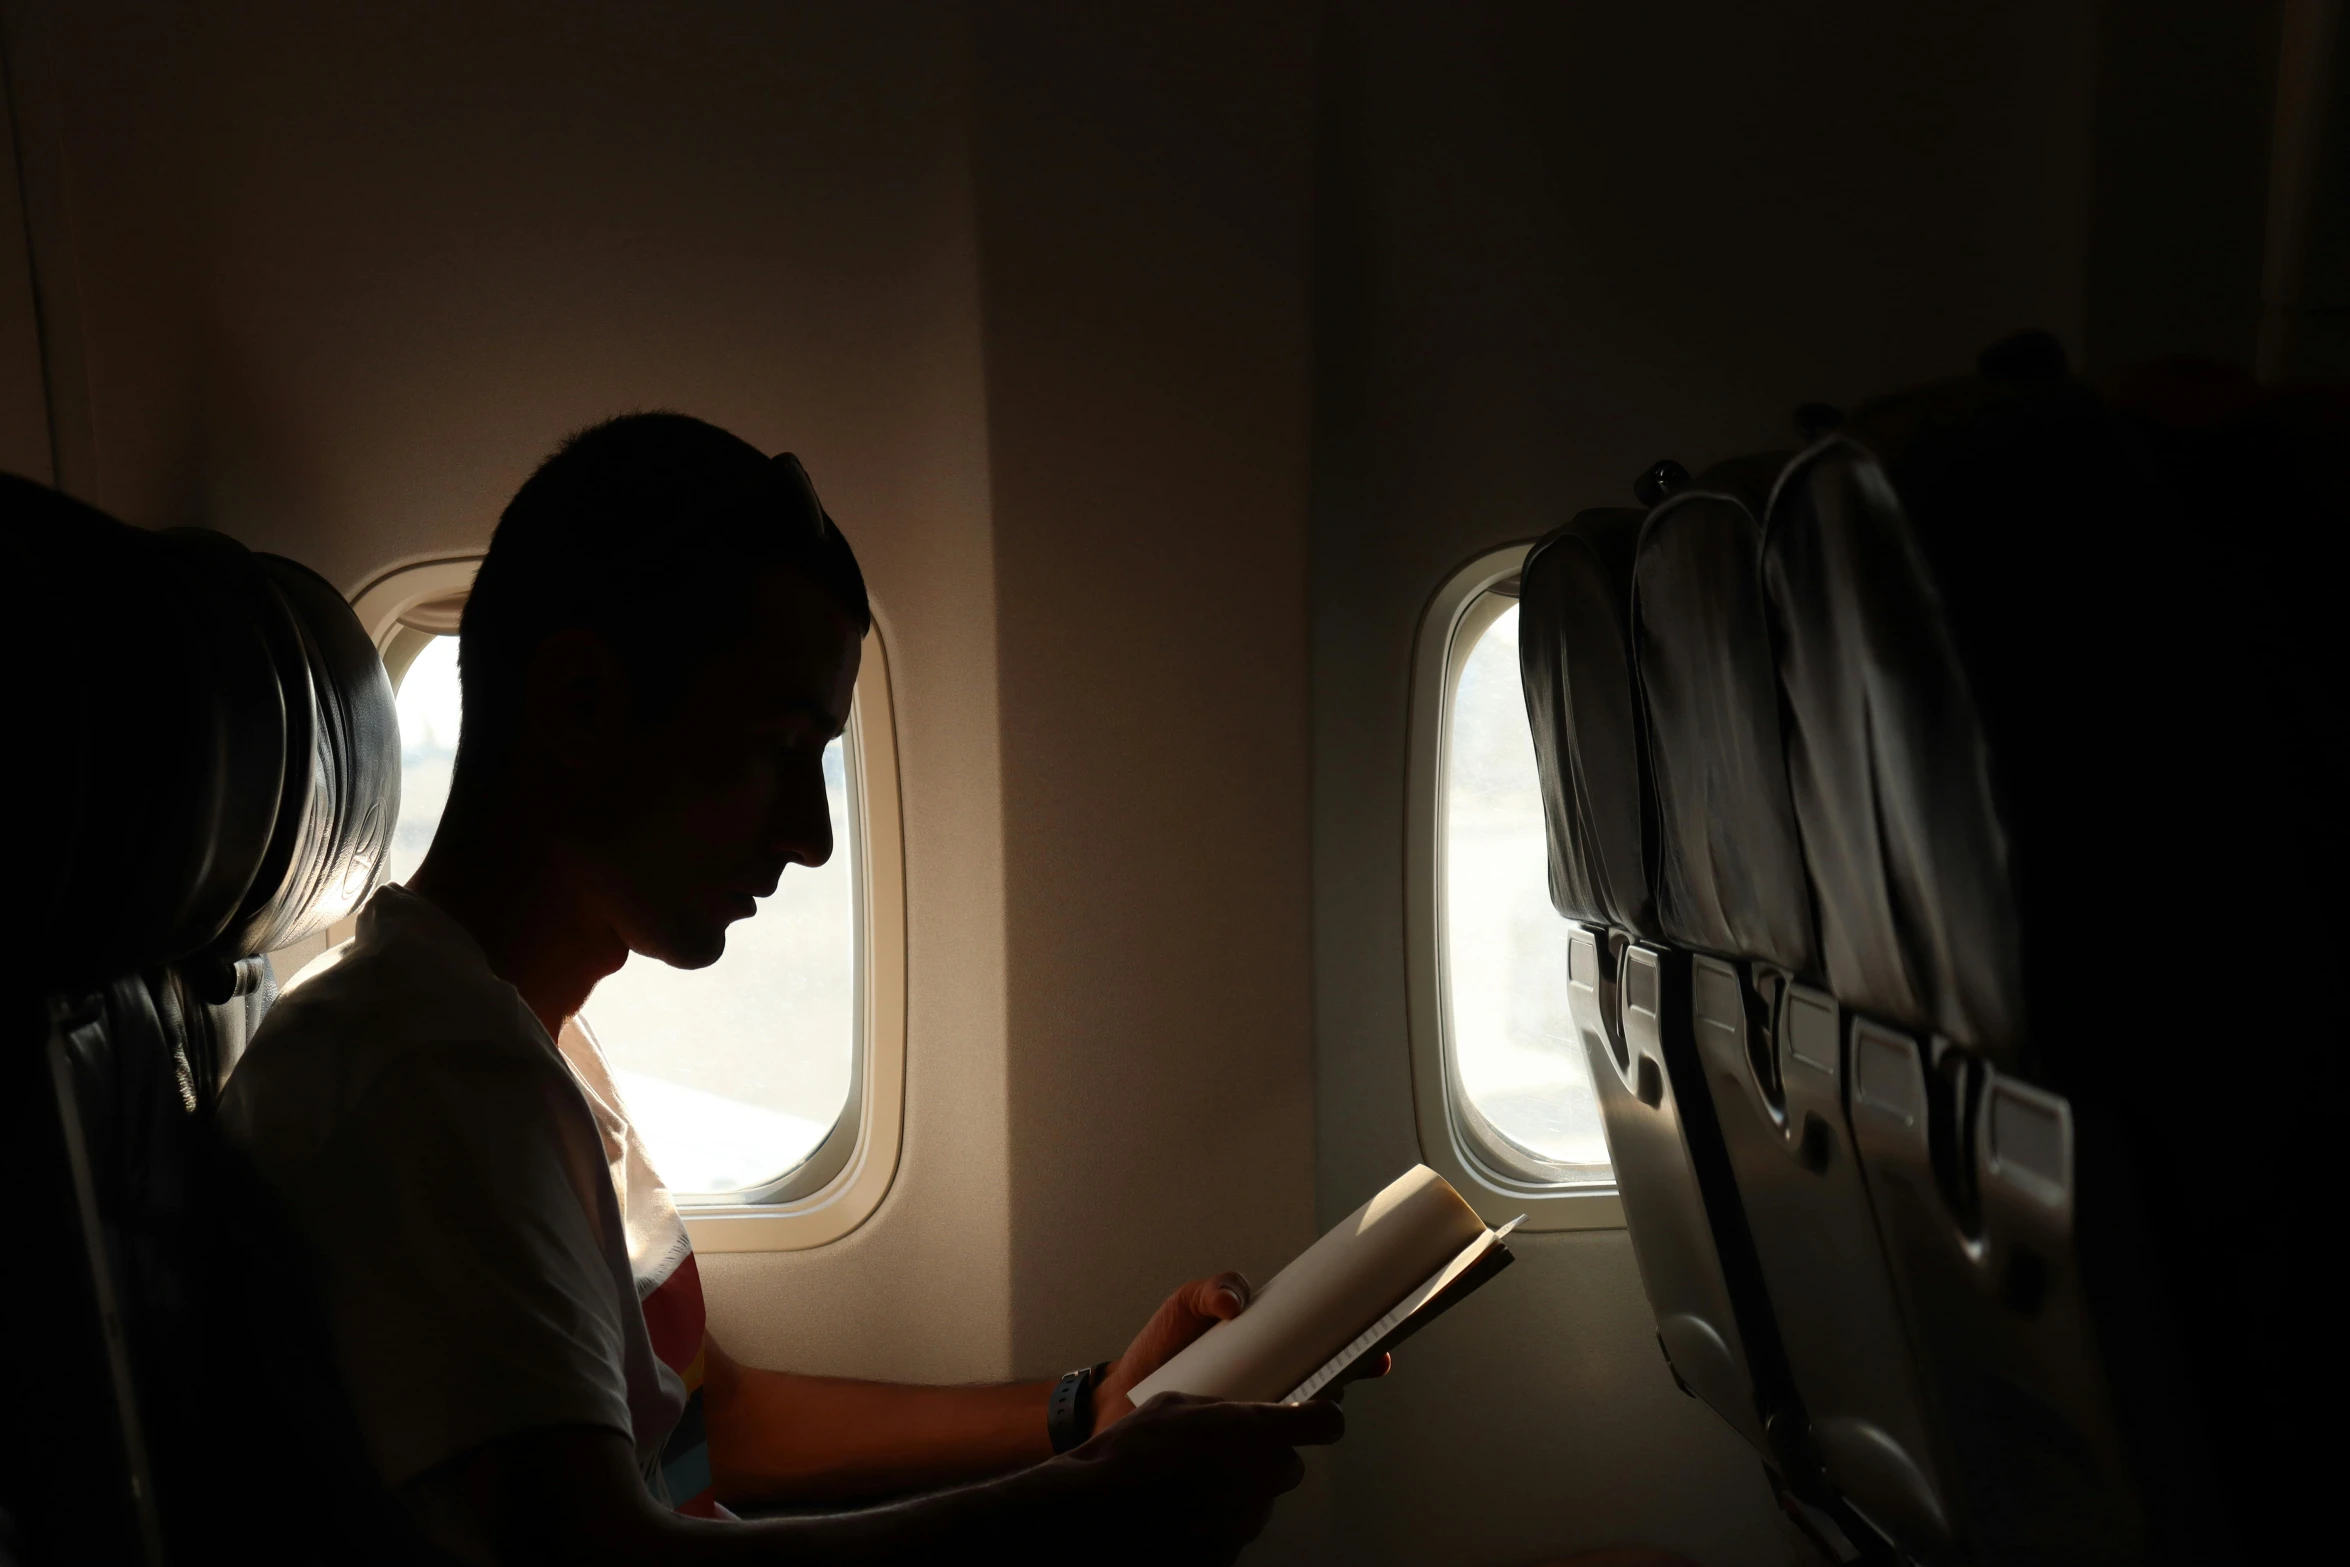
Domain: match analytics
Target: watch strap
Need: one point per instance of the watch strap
(1068, 1414)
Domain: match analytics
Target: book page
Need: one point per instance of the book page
(1339, 1286)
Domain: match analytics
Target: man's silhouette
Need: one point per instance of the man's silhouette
(658, 647)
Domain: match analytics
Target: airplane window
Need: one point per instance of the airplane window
(733, 1074)
(427, 701)
(1523, 1097)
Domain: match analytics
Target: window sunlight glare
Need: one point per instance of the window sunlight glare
(1513, 1046)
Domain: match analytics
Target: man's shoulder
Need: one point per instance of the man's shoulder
(386, 1005)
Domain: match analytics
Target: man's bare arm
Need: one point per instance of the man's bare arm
(779, 1437)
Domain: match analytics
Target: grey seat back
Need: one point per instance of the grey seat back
(1732, 889)
(1887, 760)
(1730, 875)
(1927, 574)
(1626, 990)
(1875, 708)
(2082, 649)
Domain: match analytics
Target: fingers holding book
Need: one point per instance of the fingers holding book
(1181, 1318)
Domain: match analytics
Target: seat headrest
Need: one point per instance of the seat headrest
(1729, 866)
(162, 735)
(341, 793)
(223, 764)
(1574, 595)
(2103, 629)
(1887, 761)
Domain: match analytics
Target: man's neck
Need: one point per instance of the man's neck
(494, 871)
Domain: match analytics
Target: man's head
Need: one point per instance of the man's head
(661, 642)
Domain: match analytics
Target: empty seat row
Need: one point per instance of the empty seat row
(1862, 766)
(212, 773)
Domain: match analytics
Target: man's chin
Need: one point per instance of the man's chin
(690, 933)
(688, 949)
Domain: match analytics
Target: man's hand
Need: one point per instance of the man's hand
(1184, 1316)
(1188, 1480)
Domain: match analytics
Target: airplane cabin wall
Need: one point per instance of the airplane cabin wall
(24, 400)
(2177, 205)
(1145, 179)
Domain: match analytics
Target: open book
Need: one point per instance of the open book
(1384, 1273)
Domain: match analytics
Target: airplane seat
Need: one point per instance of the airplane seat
(152, 708)
(1626, 988)
(222, 779)
(2085, 1256)
(1973, 593)
(1734, 891)
(238, 1281)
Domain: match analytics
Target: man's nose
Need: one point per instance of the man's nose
(802, 828)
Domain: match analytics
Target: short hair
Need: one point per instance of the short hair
(652, 530)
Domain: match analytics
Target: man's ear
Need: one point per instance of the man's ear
(576, 697)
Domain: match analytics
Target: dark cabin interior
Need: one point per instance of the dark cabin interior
(1183, 376)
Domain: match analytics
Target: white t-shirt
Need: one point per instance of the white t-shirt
(496, 1253)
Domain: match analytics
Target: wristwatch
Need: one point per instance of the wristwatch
(1068, 1414)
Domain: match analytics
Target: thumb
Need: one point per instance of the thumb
(1182, 1317)
(1219, 1299)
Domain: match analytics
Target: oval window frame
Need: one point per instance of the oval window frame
(1449, 1140)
